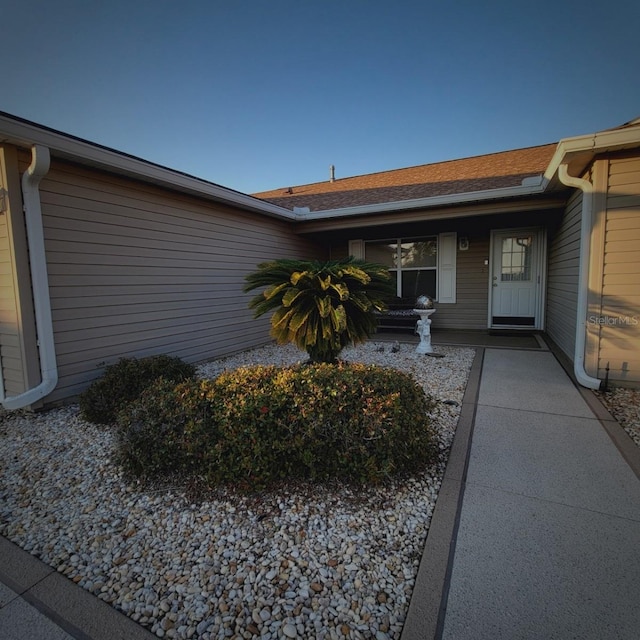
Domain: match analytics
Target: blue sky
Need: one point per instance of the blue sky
(257, 94)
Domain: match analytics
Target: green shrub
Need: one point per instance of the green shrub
(257, 426)
(160, 431)
(125, 380)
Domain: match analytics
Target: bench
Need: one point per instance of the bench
(400, 316)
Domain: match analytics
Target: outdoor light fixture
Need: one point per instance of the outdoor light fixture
(463, 244)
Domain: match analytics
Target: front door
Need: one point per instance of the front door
(515, 278)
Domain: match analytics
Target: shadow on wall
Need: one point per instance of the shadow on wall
(614, 329)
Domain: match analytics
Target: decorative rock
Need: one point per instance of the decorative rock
(322, 564)
(624, 405)
(202, 627)
(265, 615)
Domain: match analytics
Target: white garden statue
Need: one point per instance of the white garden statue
(423, 329)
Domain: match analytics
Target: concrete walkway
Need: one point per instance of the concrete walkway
(38, 603)
(536, 533)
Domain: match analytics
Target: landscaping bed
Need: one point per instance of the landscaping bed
(303, 560)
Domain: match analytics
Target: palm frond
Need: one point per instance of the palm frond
(320, 306)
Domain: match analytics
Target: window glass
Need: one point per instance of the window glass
(381, 253)
(415, 267)
(419, 282)
(516, 259)
(421, 253)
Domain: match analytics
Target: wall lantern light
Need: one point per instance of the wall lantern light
(463, 243)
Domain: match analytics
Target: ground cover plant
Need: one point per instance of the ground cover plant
(257, 426)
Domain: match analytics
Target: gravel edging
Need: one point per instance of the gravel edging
(624, 406)
(305, 562)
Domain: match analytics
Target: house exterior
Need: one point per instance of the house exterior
(119, 258)
(451, 214)
(104, 255)
(545, 238)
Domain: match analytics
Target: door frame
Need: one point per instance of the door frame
(540, 259)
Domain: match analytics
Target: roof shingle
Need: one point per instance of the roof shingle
(479, 173)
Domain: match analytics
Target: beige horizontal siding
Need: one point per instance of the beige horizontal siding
(620, 328)
(136, 270)
(562, 278)
(621, 267)
(339, 251)
(472, 290)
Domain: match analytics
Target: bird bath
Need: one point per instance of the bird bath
(423, 329)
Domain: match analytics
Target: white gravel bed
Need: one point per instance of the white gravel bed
(624, 406)
(304, 562)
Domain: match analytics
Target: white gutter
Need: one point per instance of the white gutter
(586, 187)
(588, 145)
(21, 132)
(39, 281)
(529, 186)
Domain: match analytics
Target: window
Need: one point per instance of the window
(414, 262)
(516, 259)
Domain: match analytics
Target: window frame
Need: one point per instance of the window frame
(399, 269)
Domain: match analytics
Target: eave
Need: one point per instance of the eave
(23, 133)
(578, 152)
(424, 214)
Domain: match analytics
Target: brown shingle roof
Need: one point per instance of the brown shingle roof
(479, 173)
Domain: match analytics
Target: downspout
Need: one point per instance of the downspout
(586, 187)
(38, 168)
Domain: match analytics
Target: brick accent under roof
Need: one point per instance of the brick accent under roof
(479, 173)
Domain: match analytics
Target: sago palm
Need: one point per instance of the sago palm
(321, 306)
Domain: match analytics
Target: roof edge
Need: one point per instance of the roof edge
(578, 148)
(582, 149)
(14, 130)
(530, 186)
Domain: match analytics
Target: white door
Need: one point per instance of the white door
(515, 278)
